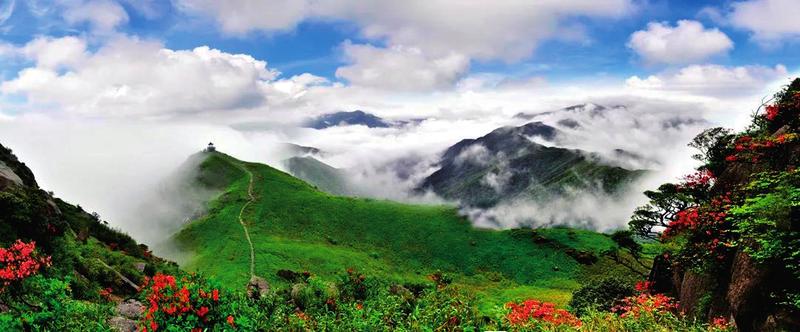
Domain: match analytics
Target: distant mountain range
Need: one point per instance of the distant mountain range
(347, 119)
(507, 164)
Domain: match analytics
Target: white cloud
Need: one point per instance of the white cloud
(769, 20)
(712, 80)
(52, 53)
(241, 16)
(508, 30)
(400, 68)
(688, 42)
(142, 78)
(102, 15)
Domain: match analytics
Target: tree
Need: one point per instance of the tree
(665, 203)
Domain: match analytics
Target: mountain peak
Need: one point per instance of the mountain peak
(356, 117)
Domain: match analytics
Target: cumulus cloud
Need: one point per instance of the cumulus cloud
(714, 80)
(687, 42)
(400, 68)
(770, 21)
(436, 27)
(52, 53)
(133, 77)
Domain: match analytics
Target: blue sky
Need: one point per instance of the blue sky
(313, 45)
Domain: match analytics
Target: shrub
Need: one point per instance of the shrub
(600, 296)
(536, 314)
(191, 303)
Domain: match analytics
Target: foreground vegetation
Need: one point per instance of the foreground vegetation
(336, 263)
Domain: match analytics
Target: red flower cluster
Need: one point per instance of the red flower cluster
(20, 261)
(747, 148)
(700, 180)
(645, 303)
(772, 112)
(106, 293)
(643, 286)
(536, 311)
(169, 300)
(719, 323)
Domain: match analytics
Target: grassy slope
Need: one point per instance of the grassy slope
(297, 227)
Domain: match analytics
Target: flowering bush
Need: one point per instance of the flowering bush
(531, 313)
(720, 324)
(646, 303)
(20, 261)
(188, 304)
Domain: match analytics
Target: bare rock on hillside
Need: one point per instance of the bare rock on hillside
(693, 288)
(130, 309)
(122, 324)
(257, 287)
(746, 292)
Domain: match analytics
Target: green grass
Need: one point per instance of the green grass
(294, 226)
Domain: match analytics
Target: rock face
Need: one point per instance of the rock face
(129, 313)
(8, 177)
(257, 287)
(747, 293)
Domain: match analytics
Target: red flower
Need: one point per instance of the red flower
(202, 311)
(20, 261)
(643, 286)
(730, 158)
(523, 313)
(215, 295)
(230, 321)
(772, 112)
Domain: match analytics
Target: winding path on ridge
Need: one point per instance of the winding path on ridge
(251, 199)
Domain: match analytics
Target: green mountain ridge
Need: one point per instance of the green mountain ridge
(296, 227)
(325, 177)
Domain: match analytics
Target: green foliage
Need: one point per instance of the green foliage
(46, 304)
(292, 225)
(712, 146)
(601, 295)
(768, 223)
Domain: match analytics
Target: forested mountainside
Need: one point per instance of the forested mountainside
(507, 164)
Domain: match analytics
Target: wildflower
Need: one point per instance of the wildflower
(643, 286)
(202, 311)
(730, 158)
(772, 112)
(215, 295)
(528, 310)
(230, 321)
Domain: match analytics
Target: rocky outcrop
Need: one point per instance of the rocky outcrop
(128, 313)
(747, 292)
(8, 177)
(257, 287)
